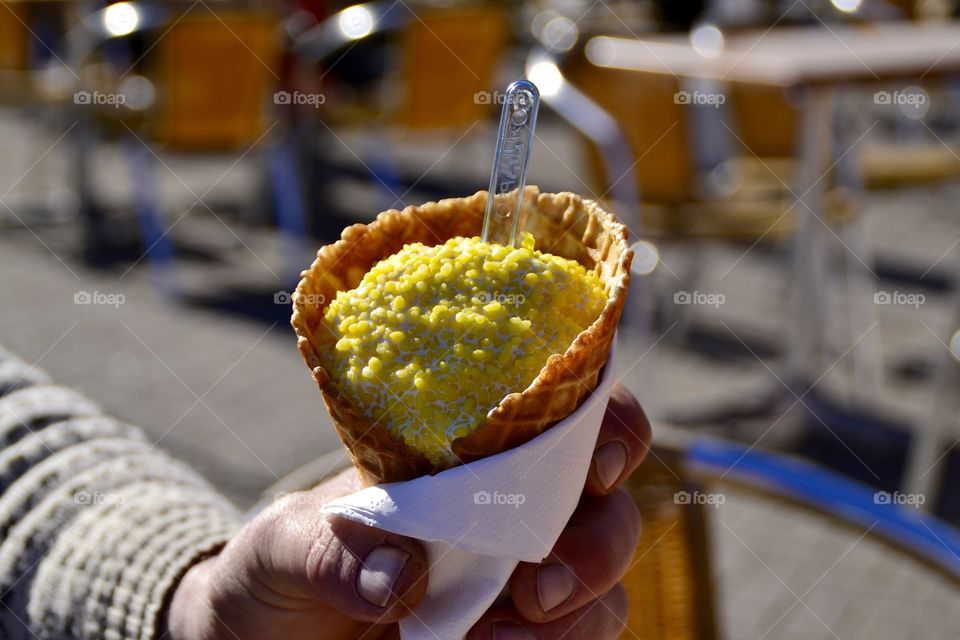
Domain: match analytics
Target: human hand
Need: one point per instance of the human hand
(294, 573)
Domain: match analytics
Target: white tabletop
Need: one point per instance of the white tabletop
(796, 55)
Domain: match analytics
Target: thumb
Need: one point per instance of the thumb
(363, 573)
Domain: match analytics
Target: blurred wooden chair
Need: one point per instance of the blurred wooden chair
(214, 76)
(450, 58)
(14, 37)
(16, 85)
(444, 82)
(669, 584)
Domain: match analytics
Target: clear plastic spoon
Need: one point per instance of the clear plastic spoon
(509, 173)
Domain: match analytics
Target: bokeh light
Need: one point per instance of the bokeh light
(559, 34)
(121, 19)
(356, 22)
(547, 77)
(646, 257)
(847, 6)
(599, 51)
(913, 102)
(707, 40)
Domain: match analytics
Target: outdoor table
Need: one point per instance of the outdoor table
(813, 62)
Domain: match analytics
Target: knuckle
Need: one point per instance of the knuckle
(325, 559)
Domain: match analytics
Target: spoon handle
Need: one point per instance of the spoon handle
(509, 173)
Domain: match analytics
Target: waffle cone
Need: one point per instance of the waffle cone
(563, 224)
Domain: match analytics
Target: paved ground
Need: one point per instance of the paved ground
(785, 572)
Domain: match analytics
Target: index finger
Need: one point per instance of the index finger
(622, 444)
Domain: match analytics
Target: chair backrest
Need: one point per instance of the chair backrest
(449, 56)
(653, 122)
(669, 583)
(215, 76)
(14, 37)
(765, 122)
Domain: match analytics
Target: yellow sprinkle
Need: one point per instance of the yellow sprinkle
(493, 308)
(399, 303)
(397, 336)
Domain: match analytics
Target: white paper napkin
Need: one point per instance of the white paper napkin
(479, 520)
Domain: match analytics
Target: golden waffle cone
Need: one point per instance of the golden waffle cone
(563, 224)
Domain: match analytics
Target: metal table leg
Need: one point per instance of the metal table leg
(809, 269)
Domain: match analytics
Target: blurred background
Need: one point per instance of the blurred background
(789, 172)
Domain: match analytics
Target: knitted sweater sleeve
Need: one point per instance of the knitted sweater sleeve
(96, 524)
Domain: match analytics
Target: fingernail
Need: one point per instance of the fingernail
(379, 573)
(510, 631)
(610, 460)
(555, 584)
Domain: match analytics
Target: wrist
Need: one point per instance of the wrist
(185, 619)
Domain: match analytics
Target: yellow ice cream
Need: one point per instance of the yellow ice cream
(434, 337)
